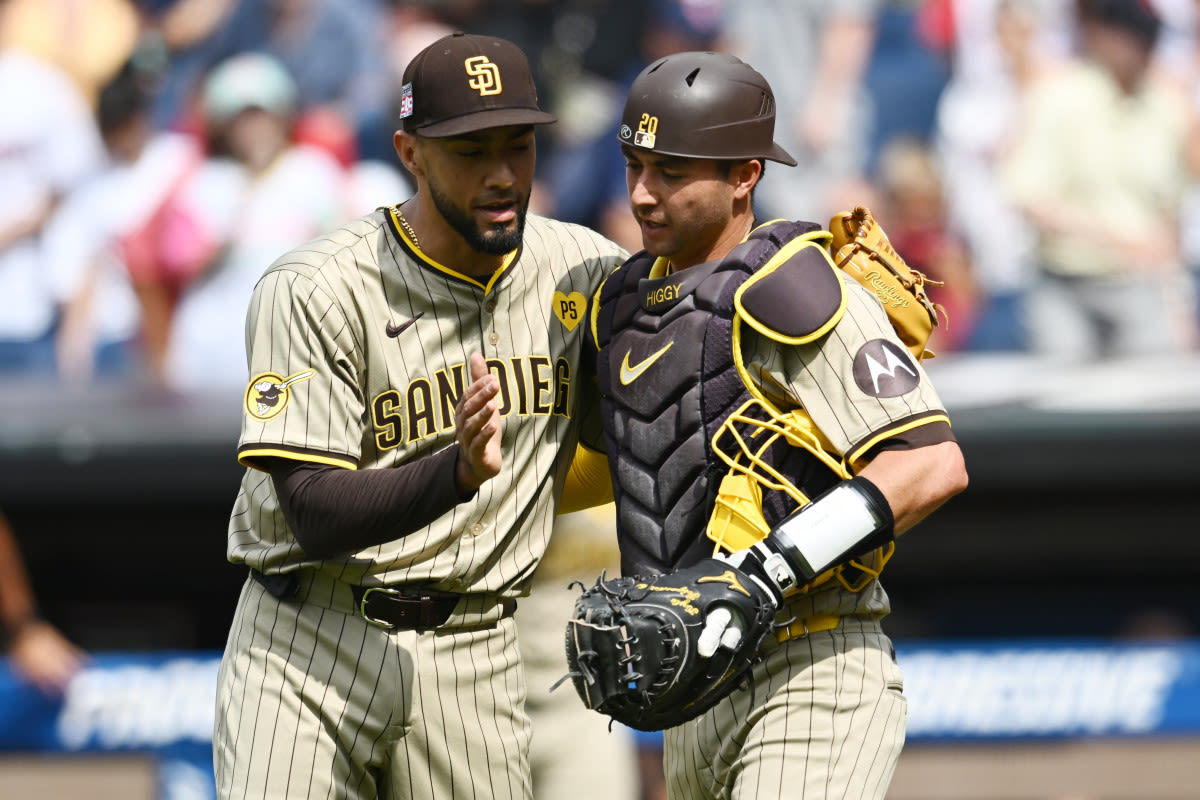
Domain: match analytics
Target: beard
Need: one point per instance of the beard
(493, 240)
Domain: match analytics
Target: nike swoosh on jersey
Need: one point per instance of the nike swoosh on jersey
(629, 374)
(395, 330)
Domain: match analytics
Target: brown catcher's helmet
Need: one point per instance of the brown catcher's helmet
(702, 105)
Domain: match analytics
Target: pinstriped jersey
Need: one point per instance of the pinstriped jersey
(357, 347)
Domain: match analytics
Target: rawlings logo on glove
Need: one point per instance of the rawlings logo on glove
(862, 249)
(656, 652)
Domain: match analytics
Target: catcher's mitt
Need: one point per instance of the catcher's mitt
(633, 644)
(861, 248)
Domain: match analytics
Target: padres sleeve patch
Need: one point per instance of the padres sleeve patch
(267, 395)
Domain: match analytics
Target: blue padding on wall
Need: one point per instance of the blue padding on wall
(1046, 688)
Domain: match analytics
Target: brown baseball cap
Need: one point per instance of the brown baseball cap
(463, 83)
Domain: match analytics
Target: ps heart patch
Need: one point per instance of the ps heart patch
(570, 308)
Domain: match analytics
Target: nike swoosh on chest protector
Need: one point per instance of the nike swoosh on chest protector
(629, 374)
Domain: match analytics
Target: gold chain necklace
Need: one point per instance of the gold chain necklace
(408, 230)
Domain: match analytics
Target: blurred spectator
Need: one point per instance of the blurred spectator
(815, 56)
(254, 196)
(181, 29)
(109, 245)
(37, 650)
(1001, 49)
(1099, 167)
(906, 73)
(332, 49)
(88, 39)
(48, 143)
(914, 210)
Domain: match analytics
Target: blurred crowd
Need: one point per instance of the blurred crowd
(1037, 156)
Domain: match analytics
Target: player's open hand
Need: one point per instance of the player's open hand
(478, 421)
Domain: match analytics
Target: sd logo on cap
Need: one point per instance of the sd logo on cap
(463, 83)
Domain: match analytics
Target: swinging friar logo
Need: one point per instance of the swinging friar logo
(884, 369)
(267, 394)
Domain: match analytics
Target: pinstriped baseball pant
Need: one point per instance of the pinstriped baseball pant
(317, 703)
(823, 720)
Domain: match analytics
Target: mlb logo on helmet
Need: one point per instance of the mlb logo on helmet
(644, 139)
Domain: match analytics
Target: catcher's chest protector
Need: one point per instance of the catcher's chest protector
(667, 382)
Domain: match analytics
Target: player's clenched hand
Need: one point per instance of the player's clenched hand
(478, 422)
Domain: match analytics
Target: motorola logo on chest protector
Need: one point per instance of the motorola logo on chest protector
(884, 369)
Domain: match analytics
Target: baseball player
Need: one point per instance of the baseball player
(413, 402)
(729, 329)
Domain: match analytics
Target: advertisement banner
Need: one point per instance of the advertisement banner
(162, 703)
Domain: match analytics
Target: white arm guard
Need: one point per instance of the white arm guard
(849, 520)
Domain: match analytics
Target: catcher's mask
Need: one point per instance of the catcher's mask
(702, 105)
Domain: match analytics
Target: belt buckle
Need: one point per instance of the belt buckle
(362, 606)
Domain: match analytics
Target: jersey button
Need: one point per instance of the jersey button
(493, 337)
(476, 529)
(489, 306)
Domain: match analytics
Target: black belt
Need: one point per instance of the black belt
(390, 608)
(387, 607)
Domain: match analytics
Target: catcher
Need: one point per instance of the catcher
(770, 431)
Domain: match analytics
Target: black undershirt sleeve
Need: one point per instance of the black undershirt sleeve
(334, 510)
